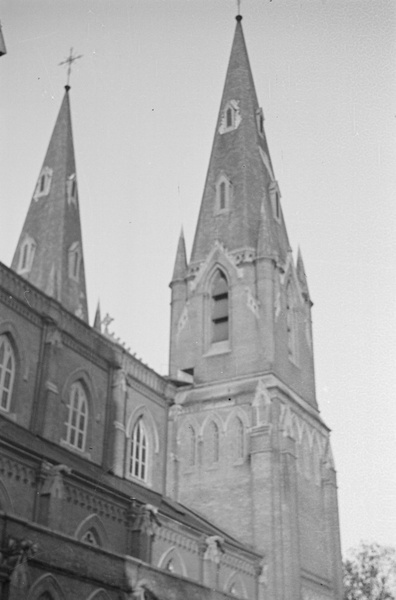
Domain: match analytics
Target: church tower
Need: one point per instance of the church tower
(49, 253)
(248, 448)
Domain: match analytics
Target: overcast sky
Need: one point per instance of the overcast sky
(145, 98)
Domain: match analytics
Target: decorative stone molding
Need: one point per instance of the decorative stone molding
(214, 547)
(196, 272)
(14, 556)
(17, 470)
(53, 483)
(54, 338)
(95, 504)
(147, 520)
(261, 404)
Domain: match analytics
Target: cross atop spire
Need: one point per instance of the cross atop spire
(69, 61)
(239, 8)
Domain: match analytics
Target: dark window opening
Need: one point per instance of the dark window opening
(229, 119)
(222, 195)
(219, 308)
(42, 183)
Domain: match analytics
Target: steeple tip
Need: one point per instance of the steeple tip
(67, 88)
(239, 18)
(180, 268)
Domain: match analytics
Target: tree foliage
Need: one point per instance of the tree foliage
(370, 573)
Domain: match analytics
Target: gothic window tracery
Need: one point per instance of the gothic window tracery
(91, 537)
(220, 311)
(77, 419)
(138, 452)
(7, 372)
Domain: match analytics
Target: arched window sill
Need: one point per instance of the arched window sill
(138, 480)
(219, 348)
(66, 444)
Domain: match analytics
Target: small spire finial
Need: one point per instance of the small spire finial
(239, 16)
(69, 61)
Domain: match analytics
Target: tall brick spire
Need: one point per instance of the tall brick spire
(240, 179)
(49, 253)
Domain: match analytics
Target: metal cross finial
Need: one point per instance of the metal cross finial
(239, 6)
(69, 61)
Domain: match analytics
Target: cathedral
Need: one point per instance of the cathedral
(216, 481)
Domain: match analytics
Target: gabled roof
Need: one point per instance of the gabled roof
(53, 260)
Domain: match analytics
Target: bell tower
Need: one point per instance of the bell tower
(249, 449)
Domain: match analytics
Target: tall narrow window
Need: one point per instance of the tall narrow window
(74, 261)
(222, 199)
(223, 194)
(238, 439)
(219, 308)
(26, 255)
(213, 443)
(138, 452)
(7, 372)
(229, 119)
(191, 446)
(77, 419)
(43, 184)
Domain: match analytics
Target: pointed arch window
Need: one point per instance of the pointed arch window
(77, 418)
(220, 309)
(213, 443)
(71, 186)
(26, 255)
(260, 121)
(291, 324)
(223, 194)
(138, 457)
(7, 373)
(230, 117)
(75, 261)
(44, 183)
(274, 192)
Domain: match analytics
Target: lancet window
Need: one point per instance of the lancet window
(7, 372)
(77, 418)
(138, 451)
(220, 308)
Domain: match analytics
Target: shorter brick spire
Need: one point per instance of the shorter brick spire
(49, 253)
(180, 268)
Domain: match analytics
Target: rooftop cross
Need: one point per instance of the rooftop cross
(239, 6)
(69, 61)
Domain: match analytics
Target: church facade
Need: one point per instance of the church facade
(216, 481)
